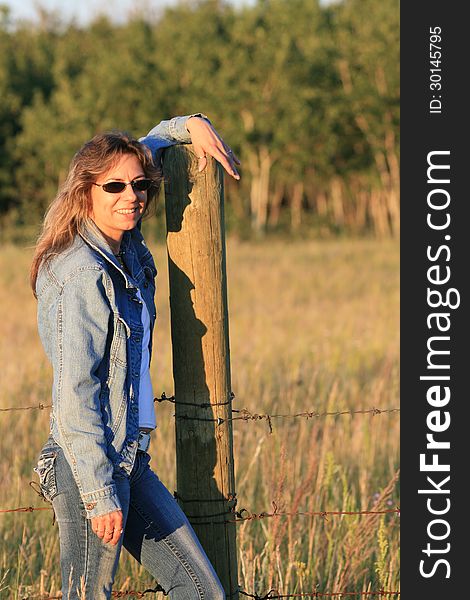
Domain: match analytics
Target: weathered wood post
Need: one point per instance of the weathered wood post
(201, 356)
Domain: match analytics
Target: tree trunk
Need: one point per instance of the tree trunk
(296, 205)
(337, 201)
(275, 204)
(259, 164)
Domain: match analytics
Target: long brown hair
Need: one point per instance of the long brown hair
(70, 208)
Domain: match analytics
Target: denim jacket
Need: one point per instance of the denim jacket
(89, 321)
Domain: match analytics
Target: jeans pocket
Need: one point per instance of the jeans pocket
(47, 475)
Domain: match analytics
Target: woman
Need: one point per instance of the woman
(93, 277)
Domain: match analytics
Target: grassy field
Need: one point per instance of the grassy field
(313, 326)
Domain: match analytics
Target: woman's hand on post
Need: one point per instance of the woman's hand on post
(206, 140)
(108, 527)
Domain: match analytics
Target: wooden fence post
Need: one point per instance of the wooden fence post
(201, 356)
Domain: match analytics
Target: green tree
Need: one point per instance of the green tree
(25, 56)
(364, 45)
(306, 94)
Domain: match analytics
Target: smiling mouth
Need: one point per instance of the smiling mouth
(127, 211)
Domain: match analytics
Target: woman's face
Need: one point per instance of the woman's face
(116, 213)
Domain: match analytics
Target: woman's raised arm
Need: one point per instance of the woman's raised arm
(195, 129)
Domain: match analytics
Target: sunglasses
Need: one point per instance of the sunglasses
(116, 187)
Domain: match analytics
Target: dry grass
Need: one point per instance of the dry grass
(313, 326)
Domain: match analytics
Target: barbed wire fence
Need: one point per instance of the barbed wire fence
(241, 414)
(243, 514)
(271, 595)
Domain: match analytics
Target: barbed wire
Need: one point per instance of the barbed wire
(25, 509)
(39, 406)
(238, 514)
(239, 518)
(246, 415)
(251, 516)
(228, 498)
(172, 399)
(232, 498)
(162, 398)
(271, 595)
(242, 414)
(324, 513)
(115, 594)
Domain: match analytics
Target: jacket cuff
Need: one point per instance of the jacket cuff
(101, 502)
(178, 129)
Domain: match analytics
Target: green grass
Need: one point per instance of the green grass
(313, 326)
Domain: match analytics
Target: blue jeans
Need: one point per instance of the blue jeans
(156, 532)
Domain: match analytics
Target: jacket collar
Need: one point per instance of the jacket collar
(92, 235)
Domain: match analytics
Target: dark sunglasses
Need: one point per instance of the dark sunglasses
(115, 187)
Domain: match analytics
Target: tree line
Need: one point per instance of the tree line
(307, 95)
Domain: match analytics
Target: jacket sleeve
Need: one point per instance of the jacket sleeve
(168, 133)
(83, 324)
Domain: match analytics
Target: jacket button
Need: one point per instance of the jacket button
(146, 284)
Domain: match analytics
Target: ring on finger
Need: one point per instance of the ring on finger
(203, 156)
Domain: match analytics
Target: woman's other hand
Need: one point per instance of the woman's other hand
(108, 527)
(206, 140)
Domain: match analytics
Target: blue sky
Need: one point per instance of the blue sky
(84, 10)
